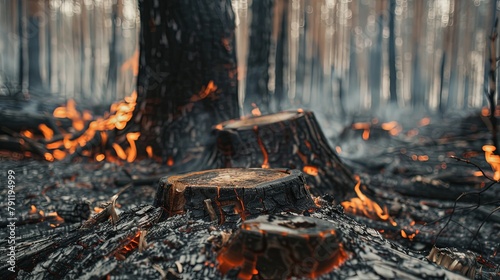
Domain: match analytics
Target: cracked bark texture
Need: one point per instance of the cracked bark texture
(187, 78)
(289, 139)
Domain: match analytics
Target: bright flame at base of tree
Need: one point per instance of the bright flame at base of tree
(363, 205)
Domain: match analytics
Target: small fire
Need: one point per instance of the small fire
(493, 160)
(46, 131)
(311, 170)
(265, 162)
(132, 63)
(364, 205)
(424, 121)
(120, 114)
(27, 134)
(393, 127)
(255, 111)
(409, 236)
(149, 151)
(32, 210)
(363, 126)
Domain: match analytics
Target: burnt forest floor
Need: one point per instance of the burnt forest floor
(408, 169)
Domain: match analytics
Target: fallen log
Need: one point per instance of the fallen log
(228, 194)
(289, 139)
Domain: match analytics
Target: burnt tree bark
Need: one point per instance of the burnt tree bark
(256, 91)
(289, 139)
(280, 247)
(228, 194)
(187, 77)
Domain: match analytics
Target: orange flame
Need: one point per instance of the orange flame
(364, 205)
(265, 162)
(100, 157)
(493, 160)
(255, 111)
(393, 127)
(409, 236)
(149, 151)
(120, 114)
(32, 210)
(27, 134)
(132, 63)
(311, 170)
(131, 138)
(424, 121)
(46, 131)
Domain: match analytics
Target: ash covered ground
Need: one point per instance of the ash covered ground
(408, 169)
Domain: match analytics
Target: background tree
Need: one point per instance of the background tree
(187, 79)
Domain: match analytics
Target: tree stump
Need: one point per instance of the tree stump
(289, 139)
(280, 247)
(228, 194)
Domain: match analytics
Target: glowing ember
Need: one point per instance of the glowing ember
(170, 161)
(366, 134)
(389, 125)
(311, 170)
(393, 127)
(149, 151)
(46, 131)
(100, 157)
(364, 205)
(32, 210)
(424, 121)
(361, 125)
(485, 112)
(27, 134)
(493, 160)
(256, 111)
(137, 241)
(408, 236)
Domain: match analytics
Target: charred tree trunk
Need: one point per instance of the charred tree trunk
(290, 139)
(33, 37)
(187, 78)
(392, 52)
(257, 92)
(228, 194)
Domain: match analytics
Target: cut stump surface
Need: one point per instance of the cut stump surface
(226, 194)
(288, 139)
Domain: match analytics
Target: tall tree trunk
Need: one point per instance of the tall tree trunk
(33, 36)
(187, 79)
(392, 52)
(258, 56)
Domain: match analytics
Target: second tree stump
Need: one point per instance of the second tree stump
(289, 139)
(228, 194)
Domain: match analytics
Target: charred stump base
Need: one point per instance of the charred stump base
(280, 247)
(228, 194)
(289, 139)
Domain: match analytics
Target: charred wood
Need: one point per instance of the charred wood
(230, 194)
(187, 78)
(290, 139)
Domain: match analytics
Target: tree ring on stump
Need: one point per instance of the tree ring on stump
(261, 120)
(288, 139)
(231, 193)
(280, 247)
